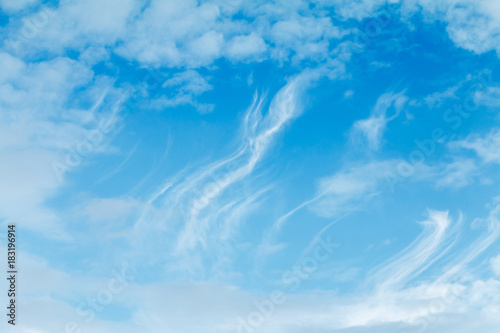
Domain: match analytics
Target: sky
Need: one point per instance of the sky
(241, 166)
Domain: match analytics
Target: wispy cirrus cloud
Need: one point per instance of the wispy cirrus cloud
(370, 131)
(486, 147)
(211, 230)
(205, 206)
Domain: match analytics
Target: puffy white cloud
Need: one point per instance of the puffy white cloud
(177, 34)
(40, 119)
(173, 33)
(474, 25)
(73, 25)
(184, 88)
(207, 46)
(14, 6)
(495, 265)
(305, 38)
(243, 47)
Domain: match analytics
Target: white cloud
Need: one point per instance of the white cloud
(258, 135)
(72, 25)
(495, 265)
(458, 173)
(14, 6)
(207, 46)
(436, 99)
(490, 96)
(432, 305)
(189, 81)
(184, 88)
(372, 129)
(243, 47)
(487, 147)
(350, 188)
(41, 116)
(12, 67)
(348, 94)
(172, 33)
(40, 119)
(111, 209)
(205, 208)
(430, 246)
(474, 25)
(181, 34)
(303, 38)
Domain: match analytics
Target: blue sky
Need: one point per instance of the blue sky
(252, 166)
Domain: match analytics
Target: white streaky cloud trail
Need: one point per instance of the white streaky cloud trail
(237, 209)
(260, 130)
(346, 186)
(337, 196)
(194, 208)
(431, 245)
(119, 167)
(474, 250)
